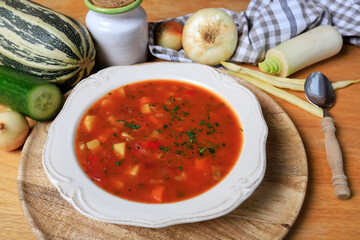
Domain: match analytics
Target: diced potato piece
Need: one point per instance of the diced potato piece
(144, 100)
(105, 102)
(156, 181)
(216, 173)
(181, 177)
(127, 136)
(89, 122)
(159, 155)
(122, 92)
(119, 149)
(145, 108)
(155, 135)
(93, 144)
(134, 170)
(82, 146)
(112, 119)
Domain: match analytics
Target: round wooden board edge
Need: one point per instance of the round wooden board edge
(28, 144)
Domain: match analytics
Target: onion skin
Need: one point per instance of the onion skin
(14, 128)
(210, 36)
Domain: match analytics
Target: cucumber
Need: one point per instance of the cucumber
(29, 95)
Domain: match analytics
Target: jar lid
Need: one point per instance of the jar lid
(130, 5)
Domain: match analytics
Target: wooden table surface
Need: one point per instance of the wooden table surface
(322, 216)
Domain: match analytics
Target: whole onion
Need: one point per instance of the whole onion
(210, 36)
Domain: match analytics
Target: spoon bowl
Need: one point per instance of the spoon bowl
(319, 90)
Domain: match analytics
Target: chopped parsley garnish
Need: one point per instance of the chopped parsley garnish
(165, 108)
(175, 109)
(130, 125)
(164, 148)
(192, 136)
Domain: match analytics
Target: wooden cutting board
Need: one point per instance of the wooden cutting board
(269, 213)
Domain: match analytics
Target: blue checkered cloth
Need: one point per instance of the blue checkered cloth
(267, 23)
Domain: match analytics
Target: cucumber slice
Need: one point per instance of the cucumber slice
(31, 96)
(43, 101)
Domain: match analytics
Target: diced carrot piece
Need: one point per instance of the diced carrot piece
(157, 193)
(154, 120)
(118, 184)
(200, 163)
(203, 166)
(102, 138)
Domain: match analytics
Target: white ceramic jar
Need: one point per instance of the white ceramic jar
(120, 34)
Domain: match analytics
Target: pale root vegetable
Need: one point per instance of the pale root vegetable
(181, 177)
(210, 36)
(14, 129)
(134, 170)
(282, 82)
(122, 92)
(119, 149)
(145, 108)
(93, 144)
(303, 50)
(89, 122)
(127, 136)
(169, 35)
(105, 102)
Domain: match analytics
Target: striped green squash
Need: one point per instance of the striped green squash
(44, 43)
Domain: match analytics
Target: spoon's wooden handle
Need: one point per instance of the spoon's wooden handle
(334, 156)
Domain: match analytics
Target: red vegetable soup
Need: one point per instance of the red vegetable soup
(158, 141)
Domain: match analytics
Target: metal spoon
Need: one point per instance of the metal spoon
(319, 91)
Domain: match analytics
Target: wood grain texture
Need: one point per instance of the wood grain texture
(322, 216)
(268, 214)
(334, 156)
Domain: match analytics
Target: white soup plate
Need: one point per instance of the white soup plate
(64, 171)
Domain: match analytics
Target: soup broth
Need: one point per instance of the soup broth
(158, 141)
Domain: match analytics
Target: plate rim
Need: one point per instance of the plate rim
(161, 223)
